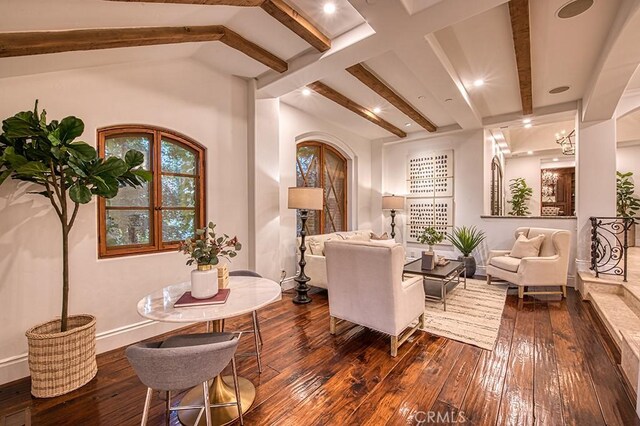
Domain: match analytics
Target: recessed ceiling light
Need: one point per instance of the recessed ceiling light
(448, 100)
(574, 8)
(422, 97)
(306, 92)
(377, 110)
(407, 124)
(526, 120)
(329, 8)
(558, 89)
(555, 159)
(529, 152)
(479, 82)
(527, 126)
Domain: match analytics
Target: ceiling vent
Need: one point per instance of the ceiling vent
(574, 8)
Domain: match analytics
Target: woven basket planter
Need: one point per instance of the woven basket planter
(62, 361)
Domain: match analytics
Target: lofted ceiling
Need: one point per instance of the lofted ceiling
(428, 52)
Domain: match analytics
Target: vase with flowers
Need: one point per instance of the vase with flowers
(206, 250)
(430, 236)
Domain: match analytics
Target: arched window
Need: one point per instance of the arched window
(166, 210)
(320, 165)
(496, 187)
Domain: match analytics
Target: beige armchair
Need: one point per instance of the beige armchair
(365, 287)
(549, 269)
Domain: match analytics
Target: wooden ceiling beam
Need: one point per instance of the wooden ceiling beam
(44, 42)
(290, 18)
(370, 80)
(278, 9)
(236, 41)
(340, 99)
(519, 13)
(240, 3)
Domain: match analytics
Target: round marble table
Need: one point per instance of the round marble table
(247, 294)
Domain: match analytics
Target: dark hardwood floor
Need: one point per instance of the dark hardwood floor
(551, 366)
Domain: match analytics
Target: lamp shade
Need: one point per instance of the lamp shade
(304, 198)
(392, 202)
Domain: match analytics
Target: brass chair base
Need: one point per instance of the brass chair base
(220, 392)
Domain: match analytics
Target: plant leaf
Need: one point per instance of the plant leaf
(82, 150)
(70, 128)
(32, 168)
(80, 194)
(133, 158)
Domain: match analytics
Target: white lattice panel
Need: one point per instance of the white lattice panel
(430, 174)
(425, 212)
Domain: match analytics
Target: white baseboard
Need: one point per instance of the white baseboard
(17, 367)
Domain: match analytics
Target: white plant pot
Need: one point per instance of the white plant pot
(204, 282)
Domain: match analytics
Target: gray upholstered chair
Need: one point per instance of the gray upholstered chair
(257, 334)
(182, 362)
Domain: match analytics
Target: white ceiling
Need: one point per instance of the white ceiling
(427, 50)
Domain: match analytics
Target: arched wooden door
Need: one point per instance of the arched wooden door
(322, 166)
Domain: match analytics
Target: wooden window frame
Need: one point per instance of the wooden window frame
(322, 146)
(156, 245)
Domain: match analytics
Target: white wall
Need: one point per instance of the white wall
(628, 160)
(181, 95)
(297, 126)
(470, 148)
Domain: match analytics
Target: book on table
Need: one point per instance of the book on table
(187, 299)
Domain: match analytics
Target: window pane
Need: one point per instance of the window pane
(119, 145)
(178, 191)
(308, 174)
(178, 225)
(131, 197)
(126, 227)
(176, 159)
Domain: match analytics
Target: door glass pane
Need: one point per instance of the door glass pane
(178, 225)
(178, 191)
(118, 147)
(334, 192)
(176, 159)
(308, 174)
(127, 227)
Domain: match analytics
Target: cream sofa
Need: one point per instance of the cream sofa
(548, 269)
(316, 267)
(366, 288)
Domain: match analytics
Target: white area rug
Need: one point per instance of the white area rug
(473, 315)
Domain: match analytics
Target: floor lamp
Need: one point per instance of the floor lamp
(393, 203)
(304, 199)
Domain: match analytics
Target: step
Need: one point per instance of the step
(615, 314)
(630, 351)
(586, 283)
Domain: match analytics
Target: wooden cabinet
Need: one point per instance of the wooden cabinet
(563, 191)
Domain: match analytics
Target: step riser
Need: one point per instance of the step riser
(615, 335)
(630, 364)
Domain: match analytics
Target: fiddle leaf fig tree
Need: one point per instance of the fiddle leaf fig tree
(520, 195)
(627, 204)
(68, 172)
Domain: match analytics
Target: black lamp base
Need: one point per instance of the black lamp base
(301, 280)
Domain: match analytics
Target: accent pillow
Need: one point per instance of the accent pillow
(375, 237)
(316, 246)
(385, 243)
(525, 247)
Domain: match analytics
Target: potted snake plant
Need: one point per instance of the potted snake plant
(466, 240)
(68, 173)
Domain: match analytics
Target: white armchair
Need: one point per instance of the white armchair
(365, 287)
(548, 269)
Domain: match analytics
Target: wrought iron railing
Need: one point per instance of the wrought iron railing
(610, 241)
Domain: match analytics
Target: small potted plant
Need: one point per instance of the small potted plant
(627, 204)
(466, 239)
(205, 250)
(520, 195)
(430, 236)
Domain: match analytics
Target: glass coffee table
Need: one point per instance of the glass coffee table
(443, 275)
